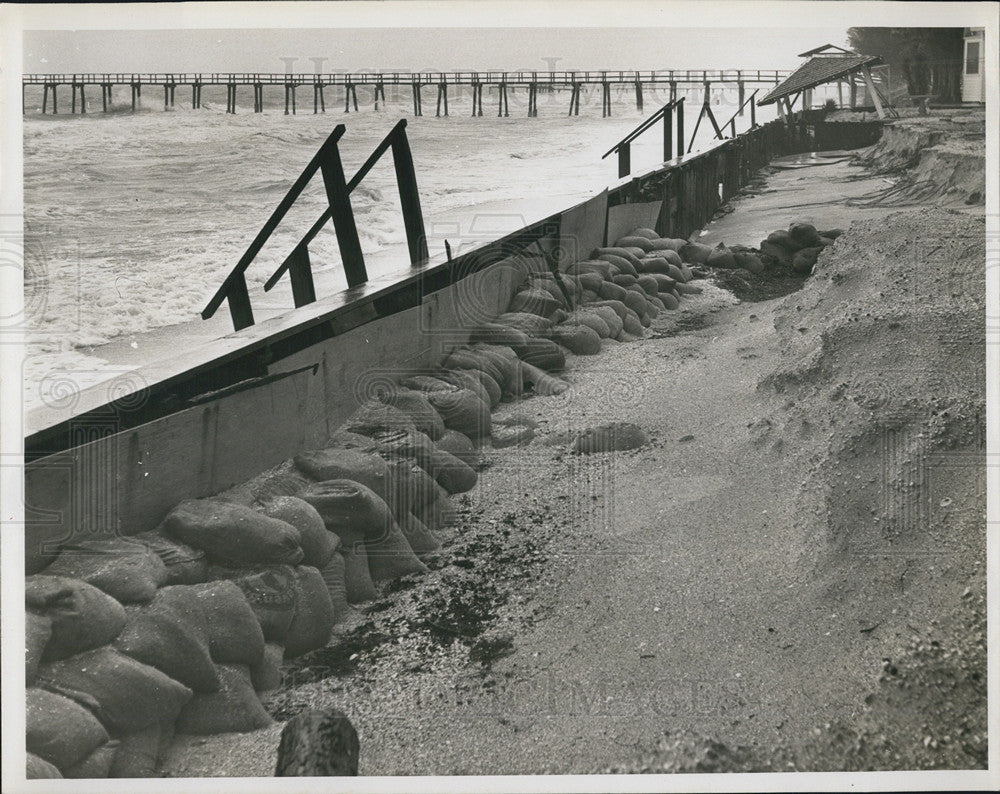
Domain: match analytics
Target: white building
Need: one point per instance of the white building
(973, 78)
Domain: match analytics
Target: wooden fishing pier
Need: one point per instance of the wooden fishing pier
(471, 83)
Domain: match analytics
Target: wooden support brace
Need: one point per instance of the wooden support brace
(300, 274)
(409, 198)
(872, 90)
(343, 216)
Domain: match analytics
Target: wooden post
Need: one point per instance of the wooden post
(322, 100)
(753, 112)
(742, 91)
(854, 92)
(133, 97)
(871, 90)
(315, 98)
(409, 198)
(104, 97)
(343, 216)
(293, 99)
(287, 98)
(239, 303)
(624, 159)
(194, 96)
(300, 274)
(605, 99)
(668, 133)
(638, 95)
(72, 108)
(840, 93)
(83, 100)
(45, 98)
(166, 98)
(673, 91)
(55, 99)
(417, 109)
(318, 744)
(680, 126)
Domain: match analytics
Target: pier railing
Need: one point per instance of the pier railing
(666, 114)
(550, 77)
(298, 265)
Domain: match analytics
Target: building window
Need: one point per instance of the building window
(972, 57)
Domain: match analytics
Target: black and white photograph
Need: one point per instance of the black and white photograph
(500, 396)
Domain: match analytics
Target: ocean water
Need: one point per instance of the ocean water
(133, 220)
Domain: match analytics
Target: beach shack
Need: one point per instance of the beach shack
(973, 82)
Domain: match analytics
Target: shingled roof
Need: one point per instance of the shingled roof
(818, 70)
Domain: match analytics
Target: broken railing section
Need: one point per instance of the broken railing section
(706, 112)
(338, 190)
(666, 114)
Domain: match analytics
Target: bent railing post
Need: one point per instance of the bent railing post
(409, 196)
(339, 198)
(300, 274)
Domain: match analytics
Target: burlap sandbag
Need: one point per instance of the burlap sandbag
(366, 468)
(467, 358)
(97, 765)
(344, 439)
(270, 592)
(592, 321)
(334, 578)
(37, 630)
(233, 534)
(449, 471)
(410, 487)
(335, 501)
(542, 353)
(416, 407)
(625, 266)
(125, 569)
(464, 379)
(541, 382)
(417, 535)
(158, 635)
(372, 416)
(624, 253)
(527, 324)
(318, 544)
(497, 334)
(610, 318)
(314, 615)
(505, 359)
(534, 301)
(266, 675)
(577, 338)
(185, 564)
(461, 446)
(40, 769)
(60, 730)
(439, 515)
(124, 694)
(137, 753)
(425, 383)
(82, 617)
(464, 411)
(235, 708)
(226, 620)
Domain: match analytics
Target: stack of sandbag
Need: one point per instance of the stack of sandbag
(109, 683)
(797, 248)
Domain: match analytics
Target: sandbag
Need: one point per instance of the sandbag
(663, 282)
(530, 324)
(345, 439)
(654, 264)
(721, 257)
(225, 618)
(438, 515)
(541, 382)
(624, 253)
(804, 260)
(464, 411)
(577, 339)
(474, 380)
(185, 564)
(97, 765)
(654, 300)
(625, 281)
(505, 360)
(632, 324)
(266, 675)
(367, 468)
(459, 445)
(233, 534)
(282, 480)
(609, 316)
(804, 235)
(59, 730)
(418, 536)
(644, 231)
(534, 301)
(334, 578)
(361, 518)
(317, 544)
(425, 383)
(415, 406)
(374, 415)
(543, 353)
(784, 240)
(124, 569)
(40, 769)
(160, 636)
(124, 694)
(271, 593)
(411, 487)
(137, 753)
(611, 291)
(497, 333)
(634, 241)
(235, 708)
(625, 266)
(591, 321)
(749, 261)
(37, 630)
(314, 615)
(688, 289)
(596, 266)
(696, 253)
(81, 616)
(648, 284)
(636, 301)
(669, 244)
(617, 306)
(591, 281)
(669, 301)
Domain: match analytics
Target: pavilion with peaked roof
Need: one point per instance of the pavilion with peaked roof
(825, 65)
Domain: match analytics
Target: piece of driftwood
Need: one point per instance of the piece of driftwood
(318, 744)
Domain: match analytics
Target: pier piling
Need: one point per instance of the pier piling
(379, 93)
(742, 91)
(442, 97)
(638, 95)
(417, 108)
(504, 107)
(72, 108)
(350, 92)
(605, 99)
(533, 100)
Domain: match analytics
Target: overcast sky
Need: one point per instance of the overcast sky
(420, 49)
